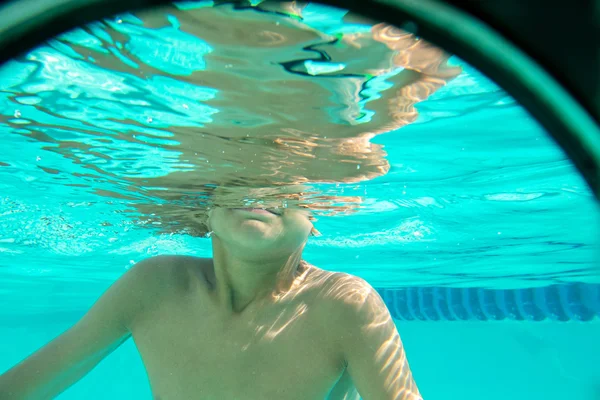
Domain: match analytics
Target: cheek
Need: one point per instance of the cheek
(299, 227)
(215, 220)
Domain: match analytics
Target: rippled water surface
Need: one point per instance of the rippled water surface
(117, 136)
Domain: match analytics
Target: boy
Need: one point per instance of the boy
(254, 322)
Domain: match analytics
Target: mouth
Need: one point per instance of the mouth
(263, 211)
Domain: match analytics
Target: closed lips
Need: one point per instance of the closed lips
(260, 210)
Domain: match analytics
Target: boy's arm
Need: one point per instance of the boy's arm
(371, 346)
(66, 359)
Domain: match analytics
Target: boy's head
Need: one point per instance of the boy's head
(279, 231)
(260, 218)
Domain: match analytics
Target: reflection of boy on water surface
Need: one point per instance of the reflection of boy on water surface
(256, 321)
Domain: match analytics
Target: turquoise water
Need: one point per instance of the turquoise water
(481, 236)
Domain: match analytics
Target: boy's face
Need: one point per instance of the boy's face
(276, 230)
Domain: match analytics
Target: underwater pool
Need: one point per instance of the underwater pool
(471, 222)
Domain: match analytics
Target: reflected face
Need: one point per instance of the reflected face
(281, 230)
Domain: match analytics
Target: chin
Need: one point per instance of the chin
(252, 232)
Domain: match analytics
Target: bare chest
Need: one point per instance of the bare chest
(284, 352)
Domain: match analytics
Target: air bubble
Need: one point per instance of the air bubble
(17, 114)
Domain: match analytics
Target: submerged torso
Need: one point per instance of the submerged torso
(191, 350)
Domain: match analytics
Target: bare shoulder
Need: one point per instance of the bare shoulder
(169, 269)
(344, 297)
(341, 288)
(157, 279)
(348, 301)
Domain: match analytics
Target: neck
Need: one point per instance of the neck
(241, 281)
